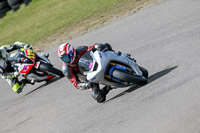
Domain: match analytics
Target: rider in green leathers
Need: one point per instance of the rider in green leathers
(6, 70)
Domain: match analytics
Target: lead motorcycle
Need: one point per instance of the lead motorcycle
(112, 68)
(33, 66)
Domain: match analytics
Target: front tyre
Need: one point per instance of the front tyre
(44, 67)
(140, 80)
(144, 71)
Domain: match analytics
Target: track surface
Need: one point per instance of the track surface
(165, 39)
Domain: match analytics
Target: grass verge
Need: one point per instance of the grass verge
(46, 22)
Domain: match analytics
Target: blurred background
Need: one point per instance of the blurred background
(7, 5)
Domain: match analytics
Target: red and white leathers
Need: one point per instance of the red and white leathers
(72, 72)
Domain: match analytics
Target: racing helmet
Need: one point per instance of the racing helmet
(67, 53)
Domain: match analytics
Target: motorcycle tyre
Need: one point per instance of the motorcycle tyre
(129, 77)
(145, 73)
(44, 67)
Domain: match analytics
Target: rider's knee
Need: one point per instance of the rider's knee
(66, 71)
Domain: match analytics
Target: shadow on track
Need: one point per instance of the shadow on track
(47, 83)
(150, 79)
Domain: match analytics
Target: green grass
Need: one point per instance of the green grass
(44, 18)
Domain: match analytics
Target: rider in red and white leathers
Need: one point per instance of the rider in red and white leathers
(70, 57)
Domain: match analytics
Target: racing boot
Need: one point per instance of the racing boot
(20, 88)
(106, 89)
(97, 94)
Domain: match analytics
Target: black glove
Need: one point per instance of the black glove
(103, 47)
(87, 85)
(108, 46)
(26, 46)
(100, 47)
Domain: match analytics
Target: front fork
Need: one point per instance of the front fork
(112, 67)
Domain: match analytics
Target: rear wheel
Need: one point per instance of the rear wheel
(129, 77)
(44, 67)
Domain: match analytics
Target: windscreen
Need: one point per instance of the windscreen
(85, 63)
(15, 56)
(18, 57)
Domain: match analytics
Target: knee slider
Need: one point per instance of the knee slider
(68, 75)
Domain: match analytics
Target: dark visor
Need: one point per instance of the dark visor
(67, 58)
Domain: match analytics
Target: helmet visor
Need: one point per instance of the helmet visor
(67, 58)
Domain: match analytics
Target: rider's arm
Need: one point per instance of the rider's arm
(7, 75)
(83, 49)
(97, 46)
(72, 77)
(15, 46)
(101, 47)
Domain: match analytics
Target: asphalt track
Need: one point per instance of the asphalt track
(165, 39)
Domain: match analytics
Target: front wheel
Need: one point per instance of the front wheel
(140, 80)
(44, 67)
(145, 73)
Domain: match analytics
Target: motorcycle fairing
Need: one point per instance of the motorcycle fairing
(49, 77)
(18, 59)
(25, 68)
(37, 78)
(37, 64)
(30, 54)
(112, 69)
(103, 59)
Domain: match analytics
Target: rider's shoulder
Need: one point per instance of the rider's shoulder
(19, 43)
(5, 47)
(81, 48)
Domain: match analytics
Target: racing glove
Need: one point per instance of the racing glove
(103, 47)
(83, 86)
(16, 74)
(26, 46)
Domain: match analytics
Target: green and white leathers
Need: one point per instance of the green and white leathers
(6, 71)
(4, 56)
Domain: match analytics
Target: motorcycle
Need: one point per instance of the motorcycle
(111, 68)
(33, 66)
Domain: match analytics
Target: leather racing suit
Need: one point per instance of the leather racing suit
(7, 71)
(72, 72)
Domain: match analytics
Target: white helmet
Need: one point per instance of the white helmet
(67, 53)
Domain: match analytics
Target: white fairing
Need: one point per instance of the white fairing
(103, 59)
(35, 77)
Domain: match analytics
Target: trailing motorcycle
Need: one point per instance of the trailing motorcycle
(33, 66)
(112, 68)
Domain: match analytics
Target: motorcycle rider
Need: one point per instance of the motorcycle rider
(70, 58)
(7, 71)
